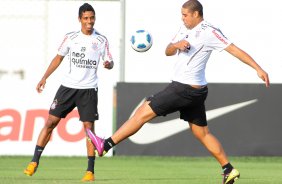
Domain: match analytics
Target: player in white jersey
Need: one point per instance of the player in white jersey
(83, 53)
(188, 90)
(82, 50)
(191, 64)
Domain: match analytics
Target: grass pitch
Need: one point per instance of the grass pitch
(140, 170)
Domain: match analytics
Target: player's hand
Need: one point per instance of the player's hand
(41, 85)
(108, 64)
(264, 76)
(183, 45)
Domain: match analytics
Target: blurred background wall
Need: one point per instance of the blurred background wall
(32, 30)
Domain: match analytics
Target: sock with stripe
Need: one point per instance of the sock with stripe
(37, 154)
(108, 144)
(227, 168)
(91, 163)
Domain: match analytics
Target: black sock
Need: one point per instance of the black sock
(37, 154)
(227, 168)
(91, 163)
(108, 144)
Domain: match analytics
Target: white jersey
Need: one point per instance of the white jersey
(83, 53)
(191, 64)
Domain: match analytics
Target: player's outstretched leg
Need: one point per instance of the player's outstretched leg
(231, 177)
(98, 142)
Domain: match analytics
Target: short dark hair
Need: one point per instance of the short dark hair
(85, 7)
(194, 5)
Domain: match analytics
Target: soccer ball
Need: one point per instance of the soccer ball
(141, 40)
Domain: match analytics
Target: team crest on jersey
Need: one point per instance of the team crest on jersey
(54, 104)
(197, 34)
(94, 45)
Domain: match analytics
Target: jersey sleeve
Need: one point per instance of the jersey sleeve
(106, 55)
(217, 40)
(63, 49)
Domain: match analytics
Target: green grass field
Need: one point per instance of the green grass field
(140, 170)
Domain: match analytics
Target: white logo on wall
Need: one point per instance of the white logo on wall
(151, 133)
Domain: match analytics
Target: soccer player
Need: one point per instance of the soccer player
(79, 88)
(193, 45)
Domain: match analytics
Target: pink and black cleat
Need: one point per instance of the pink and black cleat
(98, 142)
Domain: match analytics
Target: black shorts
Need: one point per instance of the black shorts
(189, 101)
(66, 99)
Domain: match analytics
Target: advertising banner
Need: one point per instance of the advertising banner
(244, 117)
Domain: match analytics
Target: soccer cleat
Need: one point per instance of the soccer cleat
(231, 177)
(31, 168)
(89, 176)
(98, 143)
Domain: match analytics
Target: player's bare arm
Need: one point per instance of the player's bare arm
(172, 48)
(247, 59)
(51, 68)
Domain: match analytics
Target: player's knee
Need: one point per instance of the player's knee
(50, 124)
(200, 133)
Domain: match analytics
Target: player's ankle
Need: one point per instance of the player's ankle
(108, 144)
(227, 168)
